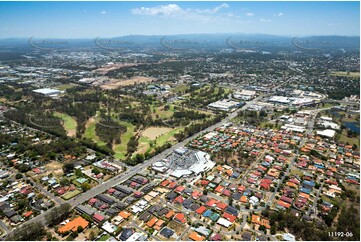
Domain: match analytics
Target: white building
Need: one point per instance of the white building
(223, 105)
(244, 95)
(48, 91)
(329, 133)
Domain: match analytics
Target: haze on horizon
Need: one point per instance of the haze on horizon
(112, 19)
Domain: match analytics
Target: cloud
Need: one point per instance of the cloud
(103, 12)
(249, 14)
(163, 10)
(175, 11)
(280, 14)
(265, 20)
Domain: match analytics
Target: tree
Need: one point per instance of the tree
(262, 228)
(68, 167)
(58, 214)
(273, 230)
(28, 231)
(78, 173)
(19, 176)
(64, 182)
(96, 171)
(92, 235)
(80, 229)
(85, 186)
(69, 238)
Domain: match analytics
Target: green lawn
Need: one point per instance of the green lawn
(69, 123)
(163, 114)
(144, 142)
(351, 141)
(71, 194)
(121, 149)
(65, 86)
(181, 88)
(104, 237)
(91, 134)
(296, 172)
(335, 201)
(161, 140)
(328, 105)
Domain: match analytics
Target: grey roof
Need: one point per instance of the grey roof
(112, 211)
(232, 210)
(167, 232)
(126, 233)
(145, 217)
(154, 209)
(105, 198)
(124, 189)
(16, 218)
(85, 210)
(120, 205)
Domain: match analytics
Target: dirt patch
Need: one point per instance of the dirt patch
(177, 227)
(154, 132)
(89, 122)
(115, 66)
(54, 167)
(115, 83)
(71, 133)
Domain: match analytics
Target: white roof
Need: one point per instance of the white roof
(224, 222)
(326, 118)
(248, 92)
(136, 209)
(279, 99)
(327, 133)
(46, 91)
(110, 228)
(289, 237)
(330, 125)
(224, 104)
(180, 173)
(135, 236)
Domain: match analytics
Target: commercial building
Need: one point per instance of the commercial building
(48, 91)
(224, 105)
(245, 95)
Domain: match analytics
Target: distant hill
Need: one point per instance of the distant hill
(224, 40)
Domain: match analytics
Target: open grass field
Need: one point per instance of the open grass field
(346, 74)
(69, 123)
(147, 144)
(296, 172)
(153, 132)
(65, 86)
(90, 132)
(163, 114)
(181, 88)
(121, 149)
(71, 194)
(344, 138)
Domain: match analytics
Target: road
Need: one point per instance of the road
(4, 227)
(143, 231)
(50, 195)
(314, 206)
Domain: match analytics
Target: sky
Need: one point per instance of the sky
(111, 19)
